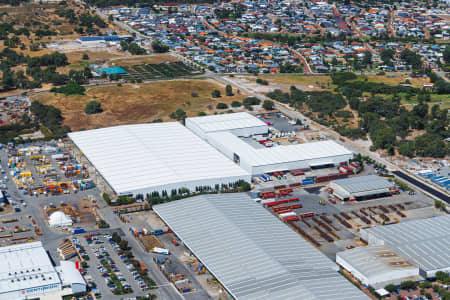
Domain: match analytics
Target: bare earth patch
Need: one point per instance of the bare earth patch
(141, 103)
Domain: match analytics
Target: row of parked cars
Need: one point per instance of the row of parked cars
(142, 284)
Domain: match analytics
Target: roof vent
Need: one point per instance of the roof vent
(12, 280)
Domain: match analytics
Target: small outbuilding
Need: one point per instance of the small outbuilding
(59, 219)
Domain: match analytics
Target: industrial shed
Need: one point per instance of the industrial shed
(240, 124)
(140, 159)
(28, 273)
(252, 253)
(377, 266)
(423, 242)
(280, 158)
(362, 187)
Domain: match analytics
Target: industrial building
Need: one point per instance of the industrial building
(377, 266)
(224, 132)
(362, 187)
(140, 159)
(279, 158)
(252, 253)
(28, 273)
(423, 242)
(239, 124)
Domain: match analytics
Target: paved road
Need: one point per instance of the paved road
(423, 186)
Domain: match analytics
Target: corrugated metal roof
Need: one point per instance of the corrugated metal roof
(251, 252)
(276, 155)
(363, 184)
(373, 261)
(226, 122)
(424, 242)
(133, 157)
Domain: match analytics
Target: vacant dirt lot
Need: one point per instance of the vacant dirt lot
(132, 103)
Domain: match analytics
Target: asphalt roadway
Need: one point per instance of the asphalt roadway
(423, 186)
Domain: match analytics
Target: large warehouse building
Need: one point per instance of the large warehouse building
(224, 132)
(28, 273)
(425, 242)
(361, 187)
(140, 159)
(266, 160)
(377, 266)
(240, 124)
(252, 253)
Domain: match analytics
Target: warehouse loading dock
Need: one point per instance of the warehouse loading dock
(362, 188)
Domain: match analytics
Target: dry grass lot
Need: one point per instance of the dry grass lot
(398, 79)
(132, 103)
(318, 82)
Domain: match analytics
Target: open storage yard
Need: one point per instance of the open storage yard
(137, 103)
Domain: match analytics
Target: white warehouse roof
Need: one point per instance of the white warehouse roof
(241, 123)
(145, 157)
(278, 158)
(253, 253)
(24, 267)
(423, 242)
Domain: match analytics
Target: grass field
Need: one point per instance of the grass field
(132, 103)
(318, 82)
(397, 79)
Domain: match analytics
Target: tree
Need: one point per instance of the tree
(407, 148)
(229, 90)
(367, 58)
(85, 56)
(446, 54)
(116, 237)
(268, 105)
(409, 284)
(236, 104)
(215, 94)
(123, 244)
(442, 277)
(221, 105)
(93, 107)
(390, 288)
(159, 47)
(179, 114)
(71, 88)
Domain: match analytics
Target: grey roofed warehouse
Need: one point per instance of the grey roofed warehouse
(251, 252)
(360, 187)
(424, 242)
(377, 266)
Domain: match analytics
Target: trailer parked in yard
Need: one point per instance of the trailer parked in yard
(160, 250)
